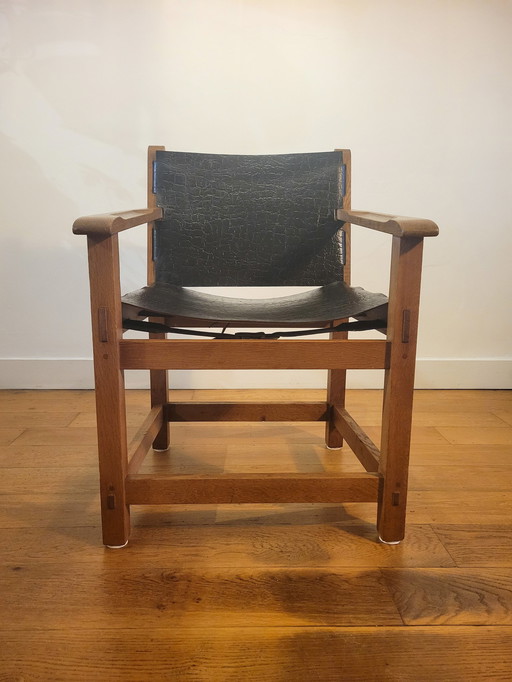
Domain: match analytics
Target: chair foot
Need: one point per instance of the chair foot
(164, 450)
(117, 546)
(384, 542)
(338, 447)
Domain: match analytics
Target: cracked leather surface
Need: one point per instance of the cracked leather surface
(331, 302)
(232, 220)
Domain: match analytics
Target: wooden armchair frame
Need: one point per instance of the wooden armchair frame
(384, 480)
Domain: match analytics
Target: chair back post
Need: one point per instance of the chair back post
(337, 378)
(158, 379)
(151, 204)
(404, 297)
(346, 160)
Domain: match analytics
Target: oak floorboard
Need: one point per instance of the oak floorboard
(77, 436)
(420, 435)
(113, 596)
(68, 436)
(452, 401)
(444, 596)
(477, 545)
(477, 435)
(460, 479)
(213, 545)
(301, 457)
(462, 455)
(48, 481)
(72, 400)
(88, 419)
(39, 456)
(8, 436)
(504, 415)
(276, 654)
(46, 401)
(47, 511)
(77, 510)
(27, 420)
(424, 507)
(431, 418)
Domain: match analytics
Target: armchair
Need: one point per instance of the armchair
(219, 220)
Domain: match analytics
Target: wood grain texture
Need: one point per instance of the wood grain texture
(195, 537)
(477, 545)
(457, 478)
(62, 456)
(244, 654)
(251, 487)
(443, 596)
(106, 224)
(255, 591)
(106, 317)
(27, 420)
(163, 596)
(8, 436)
(261, 354)
(399, 226)
(142, 440)
(362, 446)
(403, 312)
(276, 411)
(458, 435)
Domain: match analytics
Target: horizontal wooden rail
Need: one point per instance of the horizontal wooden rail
(360, 444)
(253, 354)
(251, 488)
(142, 440)
(246, 412)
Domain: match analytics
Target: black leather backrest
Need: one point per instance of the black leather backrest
(233, 220)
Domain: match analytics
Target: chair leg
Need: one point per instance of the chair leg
(112, 449)
(112, 454)
(394, 465)
(160, 396)
(336, 385)
(399, 387)
(109, 383)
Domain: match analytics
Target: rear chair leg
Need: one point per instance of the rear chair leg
(160, 396)
(336, 385)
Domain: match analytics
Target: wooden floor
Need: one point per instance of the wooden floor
(267, 593)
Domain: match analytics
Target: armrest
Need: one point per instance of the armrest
(399, 226)
(106, 224)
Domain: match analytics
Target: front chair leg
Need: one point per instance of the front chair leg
(109, 383)
(399, 386)
(112, 454)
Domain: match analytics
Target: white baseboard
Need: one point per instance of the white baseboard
(77, 373)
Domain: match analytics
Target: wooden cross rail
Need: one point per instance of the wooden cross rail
(251, 488)
(158, 354)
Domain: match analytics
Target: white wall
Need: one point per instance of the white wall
(419, 90)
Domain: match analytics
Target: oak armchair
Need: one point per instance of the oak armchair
(221, 220)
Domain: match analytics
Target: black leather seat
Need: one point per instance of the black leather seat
(316, 308)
